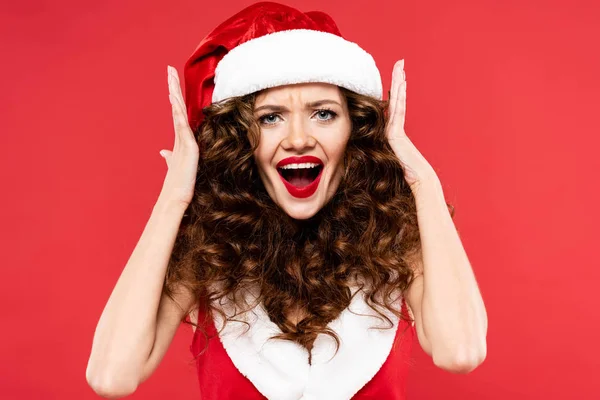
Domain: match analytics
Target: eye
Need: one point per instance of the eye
(268, 119)
(325, 115)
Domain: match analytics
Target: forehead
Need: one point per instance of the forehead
(301, 92)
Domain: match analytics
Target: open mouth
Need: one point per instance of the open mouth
(300, 175)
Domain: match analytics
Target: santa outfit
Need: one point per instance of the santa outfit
(267, 45)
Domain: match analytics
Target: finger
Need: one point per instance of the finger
(179, 106)
(183, 133)
(182, 126)
(174, 116)
(400, 100)
(166, 154)
(396, 81)
(180, 123)
(402, 103)
(173, 102)
(393, 91)
(178, 93)
(174, 88)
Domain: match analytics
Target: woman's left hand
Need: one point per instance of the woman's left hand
(417, 169)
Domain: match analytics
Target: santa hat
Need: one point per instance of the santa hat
(269, 44)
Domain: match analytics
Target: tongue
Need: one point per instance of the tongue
(300, 178)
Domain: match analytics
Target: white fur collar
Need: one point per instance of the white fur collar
(279, 369)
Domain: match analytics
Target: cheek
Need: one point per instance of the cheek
(338, 140)
(264, 153)
(335, 147)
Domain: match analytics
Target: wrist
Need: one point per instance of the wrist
(428, 182)
(429, 194)
(169, 205)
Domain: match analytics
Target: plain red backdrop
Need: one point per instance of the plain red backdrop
(503, 102)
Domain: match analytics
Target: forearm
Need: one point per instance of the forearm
(125, 332)
(454, 319)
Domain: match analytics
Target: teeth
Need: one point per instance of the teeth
(298, 166)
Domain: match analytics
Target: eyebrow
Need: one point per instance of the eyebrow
(313, 104)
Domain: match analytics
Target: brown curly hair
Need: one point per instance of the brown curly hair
(235, 236)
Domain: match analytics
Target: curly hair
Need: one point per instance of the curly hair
(234, 237)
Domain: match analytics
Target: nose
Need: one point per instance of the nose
(298, 137)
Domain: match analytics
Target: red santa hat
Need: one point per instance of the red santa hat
(269, 44)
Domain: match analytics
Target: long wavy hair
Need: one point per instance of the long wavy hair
(233, 237)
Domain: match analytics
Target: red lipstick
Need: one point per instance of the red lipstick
(308, 190)
(299, 160)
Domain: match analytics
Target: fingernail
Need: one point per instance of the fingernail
(162, 154)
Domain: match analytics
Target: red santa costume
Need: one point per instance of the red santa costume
(267, 45)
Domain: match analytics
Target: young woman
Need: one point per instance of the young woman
(298, 228)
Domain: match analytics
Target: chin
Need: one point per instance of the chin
(300, 210)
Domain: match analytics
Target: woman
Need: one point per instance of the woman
(298, 227)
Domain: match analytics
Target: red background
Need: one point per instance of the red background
(503, 102)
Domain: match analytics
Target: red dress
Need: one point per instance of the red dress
(373, 365)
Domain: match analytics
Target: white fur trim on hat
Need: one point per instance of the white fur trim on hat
(296, 56)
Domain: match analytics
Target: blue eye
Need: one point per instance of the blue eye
(325, 113)
(268, 119)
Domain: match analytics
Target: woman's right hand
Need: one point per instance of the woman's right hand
(182, 161)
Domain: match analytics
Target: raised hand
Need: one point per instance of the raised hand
(182, 161)
(416, 168)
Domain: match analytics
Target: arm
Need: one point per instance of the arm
(450, 316)
(138, 323)
(449, 313)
